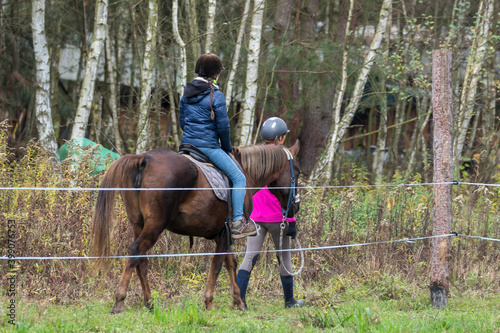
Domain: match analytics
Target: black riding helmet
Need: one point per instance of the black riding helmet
(273, 128)
(208, 65)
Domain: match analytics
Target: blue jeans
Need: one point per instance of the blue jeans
(224, 162)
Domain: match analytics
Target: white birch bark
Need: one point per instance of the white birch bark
(147, 78)
(379, 158)
(113, 99)
(182, 47)
(88, 84)
(236, 56)
(474, 65)
(249, 101)
(323, 167)
(43, 110)
(210, 25)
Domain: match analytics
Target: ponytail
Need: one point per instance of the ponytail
(212, 114)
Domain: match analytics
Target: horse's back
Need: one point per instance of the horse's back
(166, 168)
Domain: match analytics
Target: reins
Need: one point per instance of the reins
(292, 198)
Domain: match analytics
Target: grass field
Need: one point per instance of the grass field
(363, 307)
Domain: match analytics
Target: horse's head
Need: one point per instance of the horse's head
(275, 166)
(285, 183)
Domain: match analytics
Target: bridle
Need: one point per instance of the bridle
(292, 199)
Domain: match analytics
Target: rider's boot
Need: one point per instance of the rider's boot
(241, 229)
(243, 277)
(290, 302)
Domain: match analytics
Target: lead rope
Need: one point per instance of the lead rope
(291, 197)
(280, 254)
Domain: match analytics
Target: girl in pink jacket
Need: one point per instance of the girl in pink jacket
(267, 214)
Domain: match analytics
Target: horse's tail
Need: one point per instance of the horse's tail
(124, 172)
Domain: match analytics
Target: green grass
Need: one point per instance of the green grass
(356, 309)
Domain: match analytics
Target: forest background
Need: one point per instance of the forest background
(351, 78)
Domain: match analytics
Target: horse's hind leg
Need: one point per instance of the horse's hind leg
(142, 272)
(141, 245)
(230, 262)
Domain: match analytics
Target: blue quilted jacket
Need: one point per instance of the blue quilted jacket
(194, 117)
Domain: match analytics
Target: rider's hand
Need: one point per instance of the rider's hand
(291, 230)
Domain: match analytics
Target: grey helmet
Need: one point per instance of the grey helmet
(272, 128)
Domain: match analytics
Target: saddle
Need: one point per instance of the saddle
(216, 178)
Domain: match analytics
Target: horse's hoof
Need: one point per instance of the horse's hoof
(117, 309)
(242, 306)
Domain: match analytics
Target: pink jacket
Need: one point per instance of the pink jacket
(266, 208)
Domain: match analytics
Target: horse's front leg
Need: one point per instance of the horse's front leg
(215, 269)
(231, 264)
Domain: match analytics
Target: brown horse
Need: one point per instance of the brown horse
(186, 212)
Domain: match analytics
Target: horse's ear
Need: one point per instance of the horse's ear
(295, 148)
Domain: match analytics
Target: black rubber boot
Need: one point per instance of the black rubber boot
(294, 303)
(243, 277)
(290, 302)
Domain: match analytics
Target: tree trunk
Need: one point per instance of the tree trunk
(3, 15)
(171, 98)
(396, 133)
(380, 151)
(250, 99)
(324, 165)
(143, 130)
(379, 158)
(193, 27)
(423, 114)
(182, 48)
(212, 4)
(87, 90)
(113, 98)
(43, 111)
(490, 159)
(474, 65)
(236, 55)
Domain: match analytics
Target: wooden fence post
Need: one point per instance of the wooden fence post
(443, 161)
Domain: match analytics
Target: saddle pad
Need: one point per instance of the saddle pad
(218, 181)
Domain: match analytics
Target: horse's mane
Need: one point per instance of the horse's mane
(260, 161)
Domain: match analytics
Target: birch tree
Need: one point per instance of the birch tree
(249, 101)
(43, 110)
(236, 55)
(147, 77)
(113, 98)
(323, 167)
(88, 84)
(378, 159)
(210, 25)
(182, 47)
(474, 64)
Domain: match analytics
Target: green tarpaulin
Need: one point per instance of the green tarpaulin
(76, 148)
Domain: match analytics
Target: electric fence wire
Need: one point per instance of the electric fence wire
(405, 240)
